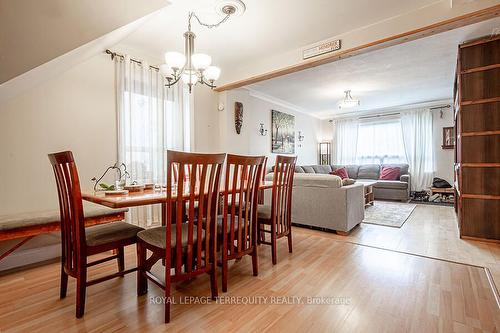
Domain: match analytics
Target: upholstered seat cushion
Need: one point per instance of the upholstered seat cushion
(264, 212)
(391, 184)
(24, 220)
(157, 236)
(110, 232)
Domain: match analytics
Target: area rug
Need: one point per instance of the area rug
(389, 214)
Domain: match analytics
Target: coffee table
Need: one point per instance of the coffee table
(368, 191)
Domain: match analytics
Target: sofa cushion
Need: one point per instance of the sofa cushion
(352, 170)
(298, 169)
(316, 180)
(368, 171)
(308, 169)
(341, 172)
(391, 184)
(403, 167)
(324, 169)
(390, 173)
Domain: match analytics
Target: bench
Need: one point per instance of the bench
(29, 225)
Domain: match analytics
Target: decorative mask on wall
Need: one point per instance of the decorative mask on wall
(238, 116)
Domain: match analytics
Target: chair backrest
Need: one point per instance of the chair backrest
(195, 256)
(71, 210)
(239, 227)
(281, 200)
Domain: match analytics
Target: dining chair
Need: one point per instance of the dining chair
(78, 242)
(275, 219)
(185, 245)
(237, 226)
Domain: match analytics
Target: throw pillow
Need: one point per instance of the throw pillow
(390, 173)
(347, 181)
(341, 172)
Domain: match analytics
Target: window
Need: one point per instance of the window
(380, 142)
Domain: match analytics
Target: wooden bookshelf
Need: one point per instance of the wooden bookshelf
(477, 129)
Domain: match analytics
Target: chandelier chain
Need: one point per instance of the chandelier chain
(209, 26)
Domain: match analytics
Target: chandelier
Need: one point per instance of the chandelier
(348, 101)
(191, 67)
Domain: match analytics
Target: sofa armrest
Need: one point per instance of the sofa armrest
(405, 178)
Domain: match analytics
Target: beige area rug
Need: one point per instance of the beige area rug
(390, 214)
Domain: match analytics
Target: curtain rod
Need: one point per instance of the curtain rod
(380, 115)
(114, 54)
(398, 113)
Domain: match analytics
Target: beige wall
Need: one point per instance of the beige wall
(256, 111)
(74, 111)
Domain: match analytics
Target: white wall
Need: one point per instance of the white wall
(73, 111)
(256, 111)
(444, 158)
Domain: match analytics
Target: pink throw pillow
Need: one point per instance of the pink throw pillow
(342, 173)
(390, 173)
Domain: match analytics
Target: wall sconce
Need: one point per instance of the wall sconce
(300, 137)
(262, 131)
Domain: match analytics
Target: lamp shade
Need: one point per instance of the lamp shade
(201, 61)
(188, 77)
(175, 60)
(212, 73)
(166, 70)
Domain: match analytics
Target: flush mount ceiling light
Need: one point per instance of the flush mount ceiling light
(348, 101)
(192, 67)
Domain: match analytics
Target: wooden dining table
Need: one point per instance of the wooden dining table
(143, 197)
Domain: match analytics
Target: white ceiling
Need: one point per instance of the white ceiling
(267, 27)
(409, 73)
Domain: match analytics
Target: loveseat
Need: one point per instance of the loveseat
(383, 189)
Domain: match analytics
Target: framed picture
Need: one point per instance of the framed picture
(448, 138)
(283, 133)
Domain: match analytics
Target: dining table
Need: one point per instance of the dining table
(144, 197)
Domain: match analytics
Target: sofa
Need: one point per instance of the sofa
(383, 189)
(320, 201)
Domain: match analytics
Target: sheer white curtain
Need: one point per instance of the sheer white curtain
(380, 141)
(347, 141)
(151, 118)
(416, 126)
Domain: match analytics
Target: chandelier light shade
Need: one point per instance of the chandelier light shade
(348, 101)
(175, 60)
(191, 67)
(201, 61)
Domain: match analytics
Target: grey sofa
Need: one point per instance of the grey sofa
(383, 189)
(322, 202)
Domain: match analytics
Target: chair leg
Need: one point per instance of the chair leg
(224, 274)
(167, 295)
(273, 248)
(290, 241)
(213, 281)
(142, 281)
(121, 259)
(255, 261)
(64, 283)
(81, 289)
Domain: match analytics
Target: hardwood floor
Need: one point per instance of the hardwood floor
(430, 231)
(380, 290)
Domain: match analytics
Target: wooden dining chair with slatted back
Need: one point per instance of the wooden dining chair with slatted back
(185, 245)
(276, 219)
(79, 242)
(237, 226)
